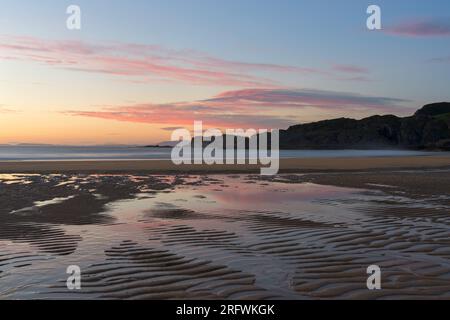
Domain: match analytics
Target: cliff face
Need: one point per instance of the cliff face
(428, 128)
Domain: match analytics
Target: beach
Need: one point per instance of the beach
(149, 230)
(255, 153)
(286, 165)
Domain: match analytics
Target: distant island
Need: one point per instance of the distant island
(427, 129)
(159, 146)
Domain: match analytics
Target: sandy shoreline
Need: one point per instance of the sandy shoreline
(239, 236)
(297, 165)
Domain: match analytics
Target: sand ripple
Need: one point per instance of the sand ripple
(200, 237)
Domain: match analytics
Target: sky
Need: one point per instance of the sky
(137, 70)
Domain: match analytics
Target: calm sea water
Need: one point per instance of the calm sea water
(30, 153)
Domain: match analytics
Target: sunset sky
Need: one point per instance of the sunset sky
(138, 69)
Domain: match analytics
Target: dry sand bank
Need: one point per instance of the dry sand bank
(286, 165)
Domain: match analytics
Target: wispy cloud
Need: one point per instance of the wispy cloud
(143, 62)
(184, 115)
(4, 109)
(172, 128)
(350, 72)
(301, 98)
(440, 60)
(249, 108)
(146, 63)
(423, 27)
(352, 69)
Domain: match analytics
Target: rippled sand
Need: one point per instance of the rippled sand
(226, 237)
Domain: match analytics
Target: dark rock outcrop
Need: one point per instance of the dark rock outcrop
(434, 109)
(428, 128)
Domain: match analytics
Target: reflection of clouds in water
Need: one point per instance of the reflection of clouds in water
(142, 236)
(252, 195)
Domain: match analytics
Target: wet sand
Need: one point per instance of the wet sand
(228, 236)
(286, 165)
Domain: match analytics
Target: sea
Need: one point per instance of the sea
(49, 153)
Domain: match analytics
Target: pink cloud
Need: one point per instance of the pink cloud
(235, 65)
(421, 28)
(120, 60)
(141, 63)
(302, 98)
(248, 108)
(181, 115)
